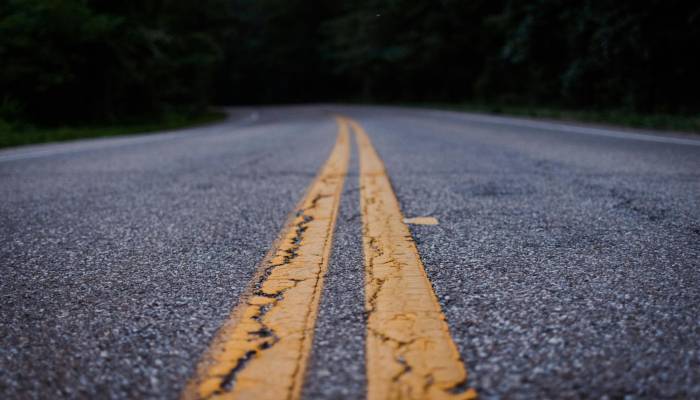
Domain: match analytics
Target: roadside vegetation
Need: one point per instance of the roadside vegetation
(108, 63)
(26, 134)
(666, 122)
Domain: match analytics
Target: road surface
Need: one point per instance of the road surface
(565, 262)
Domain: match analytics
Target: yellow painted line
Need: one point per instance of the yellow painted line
(410, 353)
(262, 352)
(421, 221)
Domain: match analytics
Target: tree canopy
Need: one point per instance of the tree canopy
(76, 60)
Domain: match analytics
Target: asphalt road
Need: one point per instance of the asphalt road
(566, 258)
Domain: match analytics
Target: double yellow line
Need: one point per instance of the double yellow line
(262, 351)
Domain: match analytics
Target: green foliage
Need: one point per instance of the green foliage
(108, 60)
(637, 56)
(68, 60)
(670, 122)
(20, 134)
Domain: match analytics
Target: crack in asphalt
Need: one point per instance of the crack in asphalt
(272, 329)
(265, 332)
(410, 352)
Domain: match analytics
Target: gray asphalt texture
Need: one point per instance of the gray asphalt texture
(336, 369)
(566, 259)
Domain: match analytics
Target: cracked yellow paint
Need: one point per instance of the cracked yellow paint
(410, 353)
(261, 353)
(421, 221)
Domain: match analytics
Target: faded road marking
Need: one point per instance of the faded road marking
(421, 221)
(261, 353)
(410, 353)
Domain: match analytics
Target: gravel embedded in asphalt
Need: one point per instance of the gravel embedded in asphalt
(566, 262)
(567, 266)
(336, 368)
(119, 265)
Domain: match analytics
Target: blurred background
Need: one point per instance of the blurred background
(165, 62)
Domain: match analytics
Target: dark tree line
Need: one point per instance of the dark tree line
(72, 60)
(77, 60)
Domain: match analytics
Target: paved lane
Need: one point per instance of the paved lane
(567, 264)
(120, 263)
(565, 259)
(262, 351)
